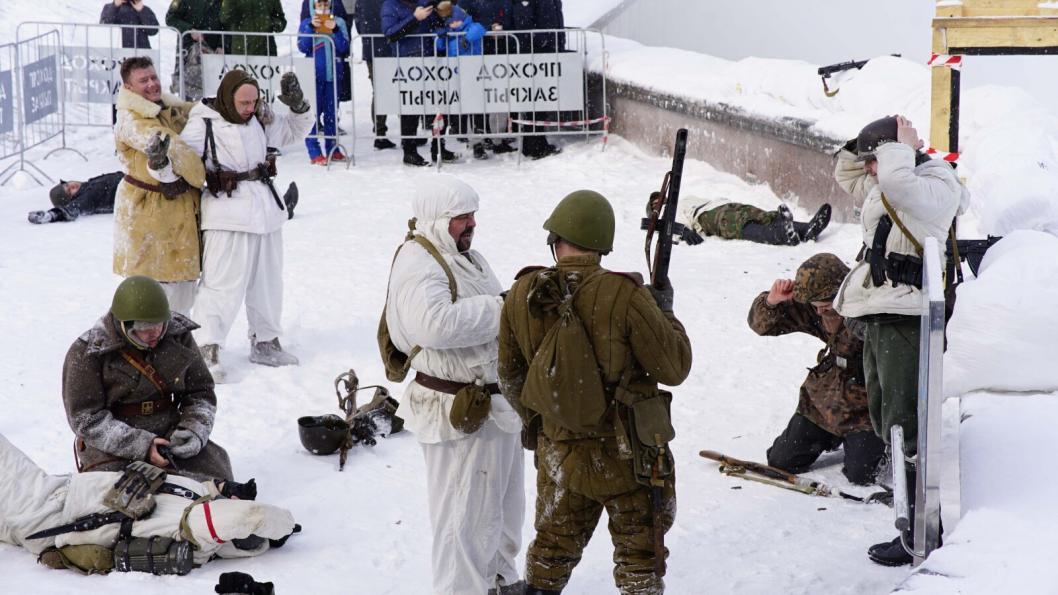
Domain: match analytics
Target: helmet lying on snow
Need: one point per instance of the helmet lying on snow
(322, 434)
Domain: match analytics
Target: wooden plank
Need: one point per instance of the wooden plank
(998, 37)
(995, 22)
(986, 8)
(940, 97)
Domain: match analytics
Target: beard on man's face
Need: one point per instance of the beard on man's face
(465, 238)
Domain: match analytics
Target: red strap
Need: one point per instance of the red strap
(209, 523)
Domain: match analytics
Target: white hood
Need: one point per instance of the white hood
(438, 198)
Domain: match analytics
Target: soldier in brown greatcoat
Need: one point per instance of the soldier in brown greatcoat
(832, 410)
(136, 381)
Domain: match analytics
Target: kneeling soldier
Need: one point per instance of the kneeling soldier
(832, 410)
(577, 393)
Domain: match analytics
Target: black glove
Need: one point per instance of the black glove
(242, 491)
(662, 297)
(243, 584)
(278, 543)
(291, 95)
(157, 151)
(691, 237)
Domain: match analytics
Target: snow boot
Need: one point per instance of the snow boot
(211, 354)
(504, 146)
(479, 151)
(780, 232)
(890, 553)
(290, 199)
(270, 353)
(39, 217)
(517, 588)
(446, 155)
(383, 143)
(815, 226)
(412, 158)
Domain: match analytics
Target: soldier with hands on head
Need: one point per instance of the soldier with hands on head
(135, 382)
(832, 409)
(907, 198)
(242, 214)
(578, 393)
(443, 310)
(157, 203)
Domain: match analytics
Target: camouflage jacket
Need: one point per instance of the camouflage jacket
(624, 324)
(833, 395)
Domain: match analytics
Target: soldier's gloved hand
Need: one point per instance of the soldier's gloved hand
(662, 297)
(691, 237)
(243, 584)
(291, 95)
(157, 151)
(184, 444)
(264, 112)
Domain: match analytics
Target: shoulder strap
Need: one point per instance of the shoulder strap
(907, 234)
(426, 244)
(210, 145)
(147, 370)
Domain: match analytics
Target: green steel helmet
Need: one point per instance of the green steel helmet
(140, 298)
(322, 434)
(880, 131)
(818, 278)
(584, 218)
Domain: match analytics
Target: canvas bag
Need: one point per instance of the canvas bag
(563, 383)
(396, 362)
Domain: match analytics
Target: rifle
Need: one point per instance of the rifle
(825, 72)
(973, 251)
(85, 523)
(766, 474)
(661, 209)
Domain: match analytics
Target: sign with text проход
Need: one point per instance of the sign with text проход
(40, 89)
(93, 74)
(7, 102)
(479, 84)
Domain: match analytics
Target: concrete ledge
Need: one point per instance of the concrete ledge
(786, 154)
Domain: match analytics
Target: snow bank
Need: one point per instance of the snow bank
(1004, 321)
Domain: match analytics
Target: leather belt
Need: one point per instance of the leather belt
(449, 386)
(167, 189)
(141, 409)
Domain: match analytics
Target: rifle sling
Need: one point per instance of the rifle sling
(903, 228)
(148, 371)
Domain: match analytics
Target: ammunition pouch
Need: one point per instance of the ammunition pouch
(899, 269)
(644, 430)
(133, 492)
(470, 408)
(227, 181)
(156, 555)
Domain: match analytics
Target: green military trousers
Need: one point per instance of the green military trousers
(890, 363)
(575, 481)
(727, 221)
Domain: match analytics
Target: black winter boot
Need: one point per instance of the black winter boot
(446, 155)
(531, 590)
(815, 226)
(780, 232)
(892, 553)
(412, 157)
(290, 199)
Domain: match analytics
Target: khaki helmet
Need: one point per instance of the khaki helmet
(818, 278)
(140, 298)
(584, 218)
(880, 131)
(322, 434)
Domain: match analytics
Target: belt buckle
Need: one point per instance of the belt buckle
(841, 362)
(147, 408)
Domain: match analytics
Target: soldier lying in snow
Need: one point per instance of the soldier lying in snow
(729, 220)
(187, 512)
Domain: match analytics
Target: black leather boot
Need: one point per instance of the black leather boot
(892, 553)
(815, 226)
(780, 232)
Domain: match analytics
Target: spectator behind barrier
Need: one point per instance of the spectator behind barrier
(528, 16)
(253, 16)
(130, 12)
(72, 199)
(189, 17)
(459, 35)
(368, 20)
(328, 74)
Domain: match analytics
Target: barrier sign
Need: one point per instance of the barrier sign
(479, 84)
(93, 74)
(40, 89)
(7, 102)
(267, 71)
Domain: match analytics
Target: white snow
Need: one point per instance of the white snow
(366, 529)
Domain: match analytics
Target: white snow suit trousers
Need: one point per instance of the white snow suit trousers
(181, 295)
(238, 265)
(476, 490)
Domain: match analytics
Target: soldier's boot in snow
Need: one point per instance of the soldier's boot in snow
(504, 146)
(270, 353)
(39, 217)
(531, 590)
(517, 588)
(892, 553)
(815, 226)
(290, 199)
(479, 151)
(211, 353)
(780, 232)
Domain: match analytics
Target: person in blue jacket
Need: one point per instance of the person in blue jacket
(459, 35)
(369, 22)
(328, 71)
(409, 25)
(345, 92)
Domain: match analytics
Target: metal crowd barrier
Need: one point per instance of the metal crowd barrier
(508, 56)
(10, 121)
(267, 68)
(37, 97)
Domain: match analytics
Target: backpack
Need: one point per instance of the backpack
(563, 383)
(396, 362)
